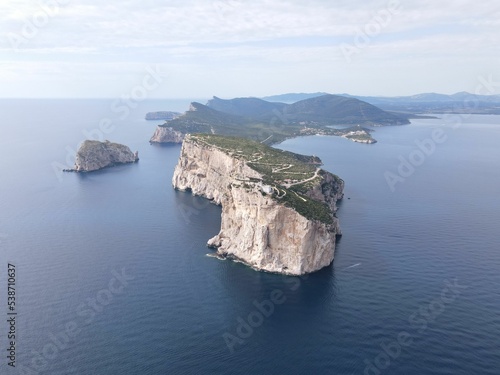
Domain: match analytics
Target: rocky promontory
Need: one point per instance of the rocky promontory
(278, 208)
(161, 115)
(359, 134)
(165, 134)
(95, 155)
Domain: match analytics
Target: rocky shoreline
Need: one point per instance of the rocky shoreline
(259, 227)
(96, 155)
(165, 134)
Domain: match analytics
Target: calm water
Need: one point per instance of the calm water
(69, 235)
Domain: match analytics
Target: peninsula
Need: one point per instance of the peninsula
(273, 122)
(161, 115)
(95, 155)
(278, 208)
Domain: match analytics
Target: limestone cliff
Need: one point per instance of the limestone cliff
(94, 155)
(165, 134)
(277, 216)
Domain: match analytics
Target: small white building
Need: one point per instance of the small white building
(267, 189)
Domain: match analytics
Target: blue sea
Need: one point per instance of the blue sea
(112, 274)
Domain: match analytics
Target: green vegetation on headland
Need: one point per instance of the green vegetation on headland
(286, 176)
(161, 115)
(244, 127)
(270, 122)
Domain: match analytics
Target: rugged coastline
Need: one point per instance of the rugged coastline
(278, 208)
(95, 155)
(271, 122)
(166, 134)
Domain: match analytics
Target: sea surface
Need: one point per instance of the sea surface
(112, 275)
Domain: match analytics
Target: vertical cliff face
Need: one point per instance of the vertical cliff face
(165, 134)
(95, 155)
(260, 229)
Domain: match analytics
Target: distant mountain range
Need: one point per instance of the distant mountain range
(254, 108)
(273, 122)
(427, 103)
(292, 97)
(321, 110)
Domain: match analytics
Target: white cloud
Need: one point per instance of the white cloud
(87, 38)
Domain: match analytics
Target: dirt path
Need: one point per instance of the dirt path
(306, 180)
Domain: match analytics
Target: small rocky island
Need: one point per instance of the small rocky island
(278, 208)
(95, 155)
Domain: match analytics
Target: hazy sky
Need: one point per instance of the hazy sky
(228, 48)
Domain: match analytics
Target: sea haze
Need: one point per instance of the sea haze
(70, 235)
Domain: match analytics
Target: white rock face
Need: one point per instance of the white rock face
(164, 134)
(94, 155)
(256, 228)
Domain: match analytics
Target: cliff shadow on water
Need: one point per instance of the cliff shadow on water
(248, 284)
(241, 282)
